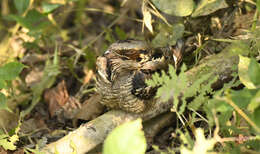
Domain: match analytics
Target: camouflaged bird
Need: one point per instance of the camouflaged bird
(123, 69)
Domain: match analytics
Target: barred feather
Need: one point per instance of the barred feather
(123, 69)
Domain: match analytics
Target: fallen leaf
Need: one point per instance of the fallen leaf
(147, 18)
(60, 103)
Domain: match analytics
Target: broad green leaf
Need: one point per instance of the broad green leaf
(243, 97)
(21, 5)
(10, 70)
(127, 138)
(243, 72)
(254, 72)
(49, 7)
(3, 104)
(255, 102)
(206, 7)
(19, 19)
(256, 116)
(258, 5)
(168, 35)
(34, 20)
(2, 84)
(175, 7)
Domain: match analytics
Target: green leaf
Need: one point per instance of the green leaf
(185, 138)
(21, 20)
(253, 144)
(175, 7)
(2, 84)
(168, 35)
(7, 142)
(3, 136)
(243, 97)
(34, 20)
(243, 72)
(49, 7)
(255, 102)
(256, 116)
(3, 104)
(21, 5)
(206, 7)
(197, 102)
(254, 72)
(127, 138)
(258, 5)
(7, 145)
(10, 70)
(223, 110)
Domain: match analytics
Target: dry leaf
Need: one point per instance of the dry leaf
(147, 19)
(60, 103)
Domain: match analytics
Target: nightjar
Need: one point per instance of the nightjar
(123, 69)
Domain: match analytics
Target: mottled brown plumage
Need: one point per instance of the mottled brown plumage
(123, 69)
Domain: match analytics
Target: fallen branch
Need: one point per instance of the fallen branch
(91, 134)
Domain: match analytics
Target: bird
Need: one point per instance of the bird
(123, 69)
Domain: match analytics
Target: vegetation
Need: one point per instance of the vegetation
(48, 50)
